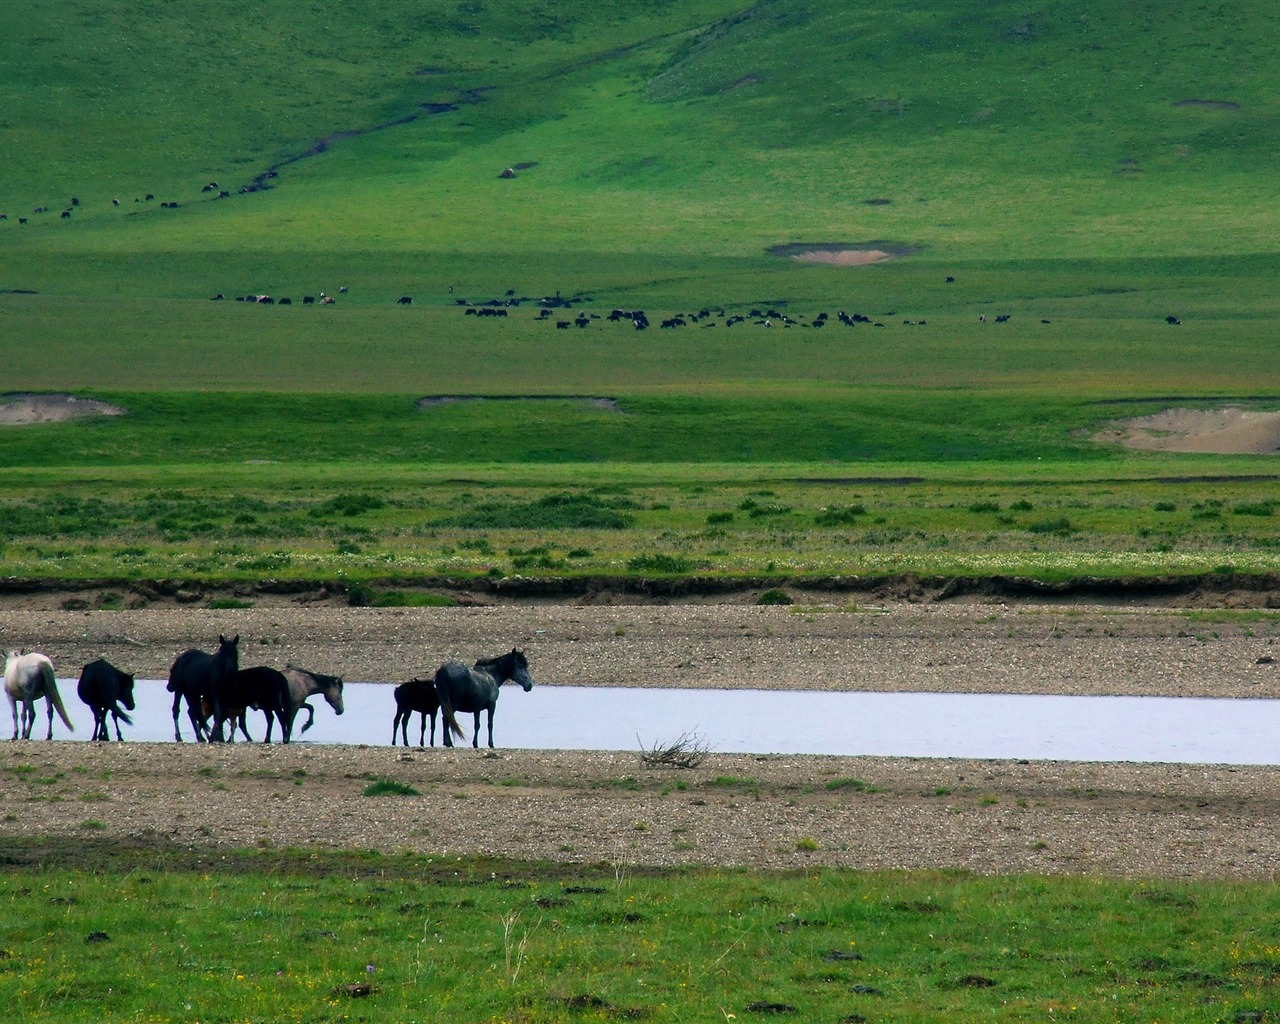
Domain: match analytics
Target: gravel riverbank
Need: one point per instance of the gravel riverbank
(759, 811)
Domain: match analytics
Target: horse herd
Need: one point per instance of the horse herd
(218, 694)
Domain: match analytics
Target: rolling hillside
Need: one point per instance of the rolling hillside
(685, 132)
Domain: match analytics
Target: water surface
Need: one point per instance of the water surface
(1004, 726)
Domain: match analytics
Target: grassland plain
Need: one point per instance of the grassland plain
(1086, 174)
(1099, 169)
(369, 938)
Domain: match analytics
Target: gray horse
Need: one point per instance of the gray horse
(476, 689)
(304, 684)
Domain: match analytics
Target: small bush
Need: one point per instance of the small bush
(1060, 525)
(985, 506)
(553, 512)
(774, 596)
(349, 505)
(670, 564)
(716, 518)
(403, 599)
(389, 787)
(849, 783)
(846, 516)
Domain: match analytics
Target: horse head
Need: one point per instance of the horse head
(520, 670)
(126, 690)
(332, 692)
(230, 649)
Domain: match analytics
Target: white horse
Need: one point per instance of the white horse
(27, 678)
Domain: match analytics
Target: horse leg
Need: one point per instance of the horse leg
(100, 725)
(490, 728)
(28, 718)
(395, 728)
(197, 723)
(475, 736)
(177, 710)
(13, 706)
(106, 735)
(422, 733)
(433, 728)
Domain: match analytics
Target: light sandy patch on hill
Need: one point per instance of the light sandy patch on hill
(844, 257)
(1230, 431)
(26, 409)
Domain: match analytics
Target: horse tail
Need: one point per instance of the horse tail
(51, 688)
(452, 722)
(446, 705)
(172, 686)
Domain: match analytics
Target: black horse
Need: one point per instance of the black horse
(476, 689)
(198, 676)
(260, 687)
(104, 688)
(415, 695)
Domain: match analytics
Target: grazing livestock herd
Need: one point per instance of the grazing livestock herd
(218, 694)
(706, 316)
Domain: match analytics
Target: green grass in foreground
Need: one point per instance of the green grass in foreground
(449, 940)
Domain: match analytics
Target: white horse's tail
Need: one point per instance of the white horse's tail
(51, 688)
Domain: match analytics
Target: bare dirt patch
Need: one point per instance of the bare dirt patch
(841, 254)
(1227, 431)
(23, 409)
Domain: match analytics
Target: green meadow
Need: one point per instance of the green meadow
(283, 936)
(1084, 172)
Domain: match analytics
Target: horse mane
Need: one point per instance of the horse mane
(514, 656)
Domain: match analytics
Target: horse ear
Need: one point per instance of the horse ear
(235, 640)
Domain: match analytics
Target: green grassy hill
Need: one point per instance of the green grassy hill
(675, 133)
(1085, 170)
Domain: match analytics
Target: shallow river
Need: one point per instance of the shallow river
(1150, 729)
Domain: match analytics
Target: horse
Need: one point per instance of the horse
(104, 688)
(197, 676)
(415, 695)
(27, 678)
(476, 689)
(304, 684)
(235, 715)
(260, 687)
